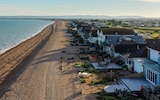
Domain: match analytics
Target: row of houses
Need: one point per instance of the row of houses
(139, 54)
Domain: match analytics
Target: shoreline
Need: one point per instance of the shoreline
(40, 76)
(5, 50)
(12, 57)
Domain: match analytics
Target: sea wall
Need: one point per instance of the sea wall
(10, 59)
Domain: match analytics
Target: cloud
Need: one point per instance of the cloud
(151, 0)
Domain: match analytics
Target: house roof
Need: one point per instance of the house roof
(117, 31)
(94, 33)
(155, 46)
(152, 41)
(127, 48)
(86, 29)
(84, 24)
(128, 42)
(115, 40)
(142, 52)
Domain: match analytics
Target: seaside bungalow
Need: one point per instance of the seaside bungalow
(113, 40)
(85, 31)
(80, 26)
(128, 51)
(138, 62)
(150, 66)
(107, 35)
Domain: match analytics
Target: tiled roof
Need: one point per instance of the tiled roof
(115, 40)
(155, 46)
(142, 52)
(117, 31)
(86, 29)
(126, 48)
(84, 25)
(94, 33)
(128, 42)
(153, 43)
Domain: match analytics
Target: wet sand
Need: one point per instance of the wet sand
(39, 76)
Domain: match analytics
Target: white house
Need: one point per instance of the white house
(93, 36)
(127, 52)
(150, 66)
(105, 35)
(138, 64)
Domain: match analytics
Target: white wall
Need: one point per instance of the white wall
(137, 66)
(101, 37)
(116, 54)
(154, 54)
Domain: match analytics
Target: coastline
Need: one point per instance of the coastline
(12, 57)
(40, 76)
(6, 49)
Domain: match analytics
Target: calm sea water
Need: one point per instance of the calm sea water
(13, 32)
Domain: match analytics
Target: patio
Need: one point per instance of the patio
(111, 66)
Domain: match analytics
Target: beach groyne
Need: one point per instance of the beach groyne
(13, 57)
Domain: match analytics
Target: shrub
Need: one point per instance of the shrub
(101, 96)
(82, 80)
(96, 81)
(84, 70)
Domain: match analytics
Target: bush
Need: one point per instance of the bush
(85, 70)
(82, 80)
(96, 81)
(87, 66)
(110, 98)
(101, 96)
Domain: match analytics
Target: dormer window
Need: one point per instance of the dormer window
(139, 39)
(126, 39)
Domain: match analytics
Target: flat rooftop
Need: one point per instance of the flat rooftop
(149, 63)
(134, 84)
(110, 66)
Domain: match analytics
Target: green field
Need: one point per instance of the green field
(154, 31)
(148, 29)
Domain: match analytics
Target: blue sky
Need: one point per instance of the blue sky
(146, 8)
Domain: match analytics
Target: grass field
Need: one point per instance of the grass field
(154, 31)
(148, 29)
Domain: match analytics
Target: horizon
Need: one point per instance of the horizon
(80, 16)
(114, 8)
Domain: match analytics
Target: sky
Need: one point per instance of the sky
(145, 8)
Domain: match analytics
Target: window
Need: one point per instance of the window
(151, 76)
(130, 62)
(139, 39)
(155, 78)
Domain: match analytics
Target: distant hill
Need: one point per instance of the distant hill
(75, 17)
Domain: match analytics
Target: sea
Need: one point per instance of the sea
(15, 31)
